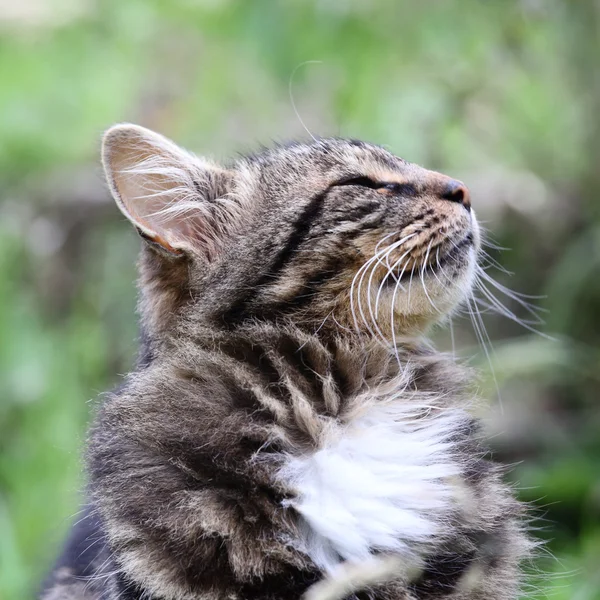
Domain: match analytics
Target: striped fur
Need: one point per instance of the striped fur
(287, 414)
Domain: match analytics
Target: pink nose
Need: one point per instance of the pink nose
(456, 191)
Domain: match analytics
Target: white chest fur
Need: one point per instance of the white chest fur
(383, 481)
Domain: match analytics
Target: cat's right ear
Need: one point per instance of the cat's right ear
(177, 201)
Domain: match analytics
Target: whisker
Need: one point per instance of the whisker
(494, 263)
(516, 296)
(393, 313)
(389, 271)
(412, 272)
(482, 336)
(291, 92)
(356, 277)
(423, 268)
(503, 310)
(356, 288)
(451, 327)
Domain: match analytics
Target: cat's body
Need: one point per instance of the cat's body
(270, 432)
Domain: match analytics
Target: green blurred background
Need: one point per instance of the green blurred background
(503, 94)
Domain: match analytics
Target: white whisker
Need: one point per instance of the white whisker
(393, 311)
(356, 288)
(451, 327)
(387, 253)
(482, 335)
(516, 296)
(423, 268)
(291, 92)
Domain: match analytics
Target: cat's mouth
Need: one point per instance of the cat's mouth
(433, 260)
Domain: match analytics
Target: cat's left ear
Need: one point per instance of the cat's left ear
(177, 201)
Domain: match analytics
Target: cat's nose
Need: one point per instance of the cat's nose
(457, 191)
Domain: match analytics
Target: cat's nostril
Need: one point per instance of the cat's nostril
(455, 191)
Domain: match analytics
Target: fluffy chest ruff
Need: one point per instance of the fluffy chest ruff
(387, 480)
(218, 481)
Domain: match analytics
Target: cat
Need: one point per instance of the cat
(287, 416)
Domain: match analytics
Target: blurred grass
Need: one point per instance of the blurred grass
(505, 95)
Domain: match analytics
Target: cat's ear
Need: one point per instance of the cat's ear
(177, 201)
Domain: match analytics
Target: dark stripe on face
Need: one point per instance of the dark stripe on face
(325, 273)
(308, 291)
(300, 229)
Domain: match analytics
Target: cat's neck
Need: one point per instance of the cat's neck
(353, 360)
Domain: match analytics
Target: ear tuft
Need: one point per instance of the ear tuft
(173, 198)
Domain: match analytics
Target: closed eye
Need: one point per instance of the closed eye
(403, 189)
(361, 181)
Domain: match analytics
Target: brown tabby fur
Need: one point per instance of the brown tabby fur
(250, 351)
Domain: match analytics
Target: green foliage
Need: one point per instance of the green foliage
(505, 95)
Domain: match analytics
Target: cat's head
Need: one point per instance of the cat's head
(334, 230)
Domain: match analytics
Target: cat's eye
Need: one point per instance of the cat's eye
(361, 181)
(403, 189)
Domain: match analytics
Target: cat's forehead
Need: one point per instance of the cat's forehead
(330, 155)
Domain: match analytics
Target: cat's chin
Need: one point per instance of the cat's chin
(425, 300)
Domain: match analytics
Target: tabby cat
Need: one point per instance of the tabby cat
(287, 417)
